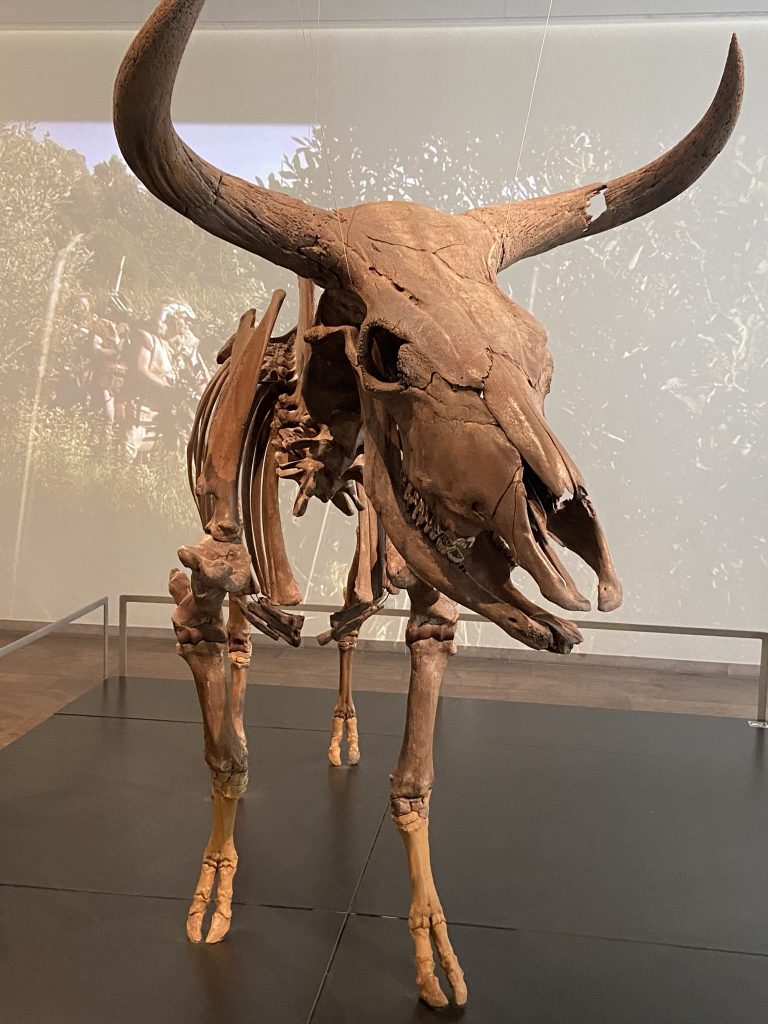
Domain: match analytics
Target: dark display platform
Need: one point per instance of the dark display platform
(597, 866)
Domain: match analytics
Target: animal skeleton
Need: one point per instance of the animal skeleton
(415, 357)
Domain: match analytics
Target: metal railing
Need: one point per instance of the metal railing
(619, 627)
(30, 638)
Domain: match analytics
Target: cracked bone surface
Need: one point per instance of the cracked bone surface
(413, 394)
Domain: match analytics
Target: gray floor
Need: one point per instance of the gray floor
(596, 866)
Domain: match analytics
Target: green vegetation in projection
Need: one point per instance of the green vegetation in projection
(688, 323)
(66, 234)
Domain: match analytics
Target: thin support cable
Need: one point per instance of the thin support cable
(315, 78)
(525, 127)
(317, 551)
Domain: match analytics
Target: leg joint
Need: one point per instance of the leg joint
(410, 813)
(344, 709)
(231, 782)
(439, 632)
(206, 638)
(229, 769)
(239, 654)
(348, 642)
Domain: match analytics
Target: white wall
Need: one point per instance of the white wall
(230, 13)
(657, 330)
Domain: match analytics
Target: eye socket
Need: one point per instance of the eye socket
(380, 355)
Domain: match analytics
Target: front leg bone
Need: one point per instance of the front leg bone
(219, 866)
(344, 714)
(429, 636)
(426, 919)
(218, 568)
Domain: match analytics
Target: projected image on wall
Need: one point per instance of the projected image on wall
(113, 308)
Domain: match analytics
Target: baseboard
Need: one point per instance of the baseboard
(509, 654)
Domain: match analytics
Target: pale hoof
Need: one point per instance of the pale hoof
(219, 927)
(433, 929)
(223, 866)
(338, 728)
(430, 991)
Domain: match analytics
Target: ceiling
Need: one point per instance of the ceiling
(226, 13)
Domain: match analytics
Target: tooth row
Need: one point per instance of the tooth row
(454, 548)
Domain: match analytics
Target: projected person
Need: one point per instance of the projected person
(153, 382)
(73, 370)
(108, 368)
(176, 323)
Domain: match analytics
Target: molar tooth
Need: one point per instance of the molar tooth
(444, 543)
(455, 555)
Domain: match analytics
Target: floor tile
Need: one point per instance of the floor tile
(124, 806)
(90, 958)
(533, 978)
(628, 845)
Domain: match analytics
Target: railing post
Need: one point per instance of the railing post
(123, 636)
(106, 636)
(43, 631)
(762, 687)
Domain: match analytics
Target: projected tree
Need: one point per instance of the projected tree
(690, 336)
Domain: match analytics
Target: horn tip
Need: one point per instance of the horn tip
(733, 76)
(735, 60)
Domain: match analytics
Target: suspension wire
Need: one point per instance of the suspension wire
(315, 77)
(311, 577)
(525, 127)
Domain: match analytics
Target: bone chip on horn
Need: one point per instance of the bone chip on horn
(533, 226)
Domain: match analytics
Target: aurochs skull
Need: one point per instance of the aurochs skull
(460, 463)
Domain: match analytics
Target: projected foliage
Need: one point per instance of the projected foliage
(676, 343)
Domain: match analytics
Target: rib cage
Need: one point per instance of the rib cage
(252, 464)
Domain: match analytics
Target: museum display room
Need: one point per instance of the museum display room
(384, 468)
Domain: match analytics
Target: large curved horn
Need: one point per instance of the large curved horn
(532, 226)
(284, 230)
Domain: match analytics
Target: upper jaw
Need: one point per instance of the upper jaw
(472, 582)
(452, 546)
(519, 531)
(520, 518)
